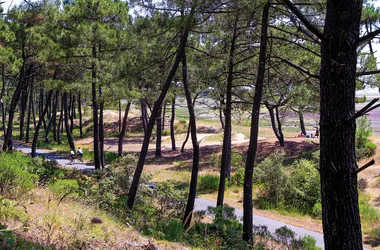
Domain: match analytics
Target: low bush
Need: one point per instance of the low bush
(208, 183)
(15, 180)
(364, 146)
(375, 233)
(165, 132)
(10, 211)
(10, 241)
(65, 188)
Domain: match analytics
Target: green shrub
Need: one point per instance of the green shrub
(208, 183)
(306, 242)
(173, 230)
(317, 210)
(15, 180)
(66, 187)
(9, 211)
(375, 233)
(270, 173)
(237, 177)
(165, 132)
(364, 147)
(11, 241)
(368, 214)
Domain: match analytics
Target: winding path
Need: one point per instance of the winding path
(200, 204)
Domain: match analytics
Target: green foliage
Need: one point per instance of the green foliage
(237, 177)
(11, 241)
(208, 183)
(66, 187)
(317, 210)
(165, 132)
(15, 180)
(9, 210)
(375, 233)
(173, 230)
(368, 214)
(360, 99)
(364, 146)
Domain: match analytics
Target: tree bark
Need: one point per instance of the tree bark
(221, 110)
(101, 129)
(194, 171)
(163, 116)
(1, 99)
(123, 130)
(340, 209)
(172, 120)
(275, 119)
(144, 149)
(252, 148)
(27, 135)
(159, 133)
(24, 102)
(95, 112)
(302, 122)
(60, 121)
(144, 114)
(44, 112)
(66, 121)
(226, 148)
(54, 117)
(80, 116)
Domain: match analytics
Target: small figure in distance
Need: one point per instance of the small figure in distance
(72, 156)
(80, 154)
(316, 132)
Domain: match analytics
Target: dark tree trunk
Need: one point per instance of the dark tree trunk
(221, 110)
(186, 139)
(71, 108)
(15, 98)
(172, 135)
(29, 111)
(54, 117)
(144, 114)
(33, 111)
(302, 122)
(41, 107)
(80, 116)
(123, 130)
(24, 102)
(252, 148)
(66, 121)
(44, 112)
(144, 149)
(59, 127)
(194, 172)
(158, 133)
(101, 129)
(226, 148)
(279, 135)
(340, 209)
(163, 116)
(279, 126)
(120, 116)
(1, 99)
(95, 112)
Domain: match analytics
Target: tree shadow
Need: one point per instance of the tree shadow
(371, 242)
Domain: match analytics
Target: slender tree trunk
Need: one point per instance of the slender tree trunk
(221, 110)
(120, 116)
(302, 122)
(144, 114)
(60, 121)
(340, 208)
(194, 172)
(3, 107)
(123, 130)
(66, 121)
(252, 148)
(276, 131)
(33, 111)
(101, 129)
(172, 136)
(80, 116)
(226, 148)
(186, 139)
(144, 149)
(24, 102)
(71, 108)
(54, 118)
(163, 116)
(95, 112)
(159, 133)
(44, 112)
(29, 111)
(279, 126)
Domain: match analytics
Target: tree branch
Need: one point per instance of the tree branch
(367, 165)
(368, 37)
(365, 73)
(305, 22)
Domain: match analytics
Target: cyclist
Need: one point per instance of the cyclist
(72, 156)
(80, 154)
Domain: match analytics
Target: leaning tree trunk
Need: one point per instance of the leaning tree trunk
(221, 110)
(194, 171)
(163, 116)
(274, 126)
(144, 114)
(123, 130)
(1, 99)
(252, 148)
(172, 132)
(144, 149)
(66, 121)
(226, 148)
(302, 122)
(29, 112)
(340, 209)
(80, 116)
(158, 133)
(44, 112)
(279, 127)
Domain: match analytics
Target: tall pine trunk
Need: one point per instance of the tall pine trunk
(95, 111)
(144, 149)
(159, 133)
(80, 116)
(54, 117)
(29, 111)
(172, 120)
(144, 114)
(123, 130)
(60, 121)
(3, 119)
(274, 119)
(24, 102)
(226, 148)
(340, 208)
(252, 148)
(66, 121)
(302, 122)
(44, 112)
(195, 168)
(101, 129)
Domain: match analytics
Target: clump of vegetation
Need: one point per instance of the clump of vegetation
(208, 183)
(364, 146)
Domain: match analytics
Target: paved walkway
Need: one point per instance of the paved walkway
(200, 204)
